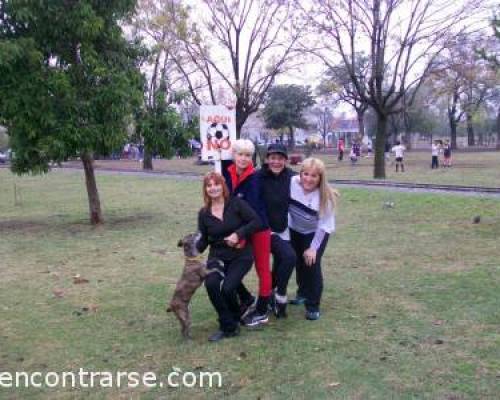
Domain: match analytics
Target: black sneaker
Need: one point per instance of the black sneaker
(298, 301)
(254, 319)
(280, 310)
(219, 335)
(312, 315)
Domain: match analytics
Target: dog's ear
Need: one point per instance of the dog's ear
(180, 243)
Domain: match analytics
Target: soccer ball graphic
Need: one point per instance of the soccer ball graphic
(217, 131)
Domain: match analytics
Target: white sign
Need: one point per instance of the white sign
(217, 132)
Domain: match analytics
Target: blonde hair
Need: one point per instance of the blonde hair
(327, 195)
(243, 146)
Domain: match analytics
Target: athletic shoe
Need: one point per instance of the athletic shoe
(254, 319)
(298, 301)
(312, 315)
(247, 307)
(280, 310)
(219, 335)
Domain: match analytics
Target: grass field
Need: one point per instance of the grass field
(472, 169)
(411, 307)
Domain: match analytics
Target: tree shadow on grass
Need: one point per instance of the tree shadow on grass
(66, 224)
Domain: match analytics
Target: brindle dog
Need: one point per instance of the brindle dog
(193, 275)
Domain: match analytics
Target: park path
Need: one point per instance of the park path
(373, 185)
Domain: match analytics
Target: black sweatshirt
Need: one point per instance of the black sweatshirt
(275, 191)
(238, 217)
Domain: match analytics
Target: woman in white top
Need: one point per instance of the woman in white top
(311, 221)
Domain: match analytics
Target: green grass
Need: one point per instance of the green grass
(411, 306)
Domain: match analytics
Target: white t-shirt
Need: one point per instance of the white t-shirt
(399, 150)
(435, 150)
(303, 212)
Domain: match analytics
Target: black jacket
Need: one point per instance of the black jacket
(238, 217)
(275, 191)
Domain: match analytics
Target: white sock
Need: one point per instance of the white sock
(281, 299)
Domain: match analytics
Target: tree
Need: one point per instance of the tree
(284, 108)
(465, 80)
(324, 118)
(402, 39)
(339, 83)
(68, 80)
(492, 55)
(240, 45)
(152, 25)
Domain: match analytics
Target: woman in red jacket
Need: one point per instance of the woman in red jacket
(244, 183)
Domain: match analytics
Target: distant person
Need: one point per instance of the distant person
(353, 156)
(369, 147)
(399, 153)
(387, 151)
(357, 149)
(447, 154)
(435, 149)
(341, 149)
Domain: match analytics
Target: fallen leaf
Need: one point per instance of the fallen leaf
(334, 384)
(59, 293)
(437, 322)
(77, 280)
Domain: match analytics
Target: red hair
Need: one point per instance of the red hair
(218, 179)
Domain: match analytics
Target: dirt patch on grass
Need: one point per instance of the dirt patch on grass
(21, 226)
(54, 225)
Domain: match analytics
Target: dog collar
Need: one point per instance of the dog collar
(197, 258)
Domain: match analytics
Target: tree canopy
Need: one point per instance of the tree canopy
(68, 80)
(284, 107)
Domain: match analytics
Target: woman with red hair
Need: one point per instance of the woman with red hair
(225, 223)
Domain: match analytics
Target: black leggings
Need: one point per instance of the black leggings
(435, 162)
(309, 278)
(221, 290)
(284, 260)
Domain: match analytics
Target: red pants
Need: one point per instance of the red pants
(261, 243)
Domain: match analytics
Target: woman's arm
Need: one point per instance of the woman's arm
(203, 242)
(251, 220)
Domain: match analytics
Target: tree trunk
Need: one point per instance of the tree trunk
(498, 129)
(291, 139)
(379, 164)
(453, 131)
(361, 122)
(470, 131)
(147, 162)
(93, 194)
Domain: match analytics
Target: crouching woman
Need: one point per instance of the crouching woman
(225, 225)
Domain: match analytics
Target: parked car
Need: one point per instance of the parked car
(299, 143)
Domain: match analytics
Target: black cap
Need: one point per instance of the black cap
(277, 148)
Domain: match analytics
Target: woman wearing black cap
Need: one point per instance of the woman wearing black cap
(275, 189)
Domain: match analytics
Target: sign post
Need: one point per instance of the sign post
(217, 133)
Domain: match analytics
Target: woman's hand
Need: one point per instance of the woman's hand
(232, 240)
(310, 257)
